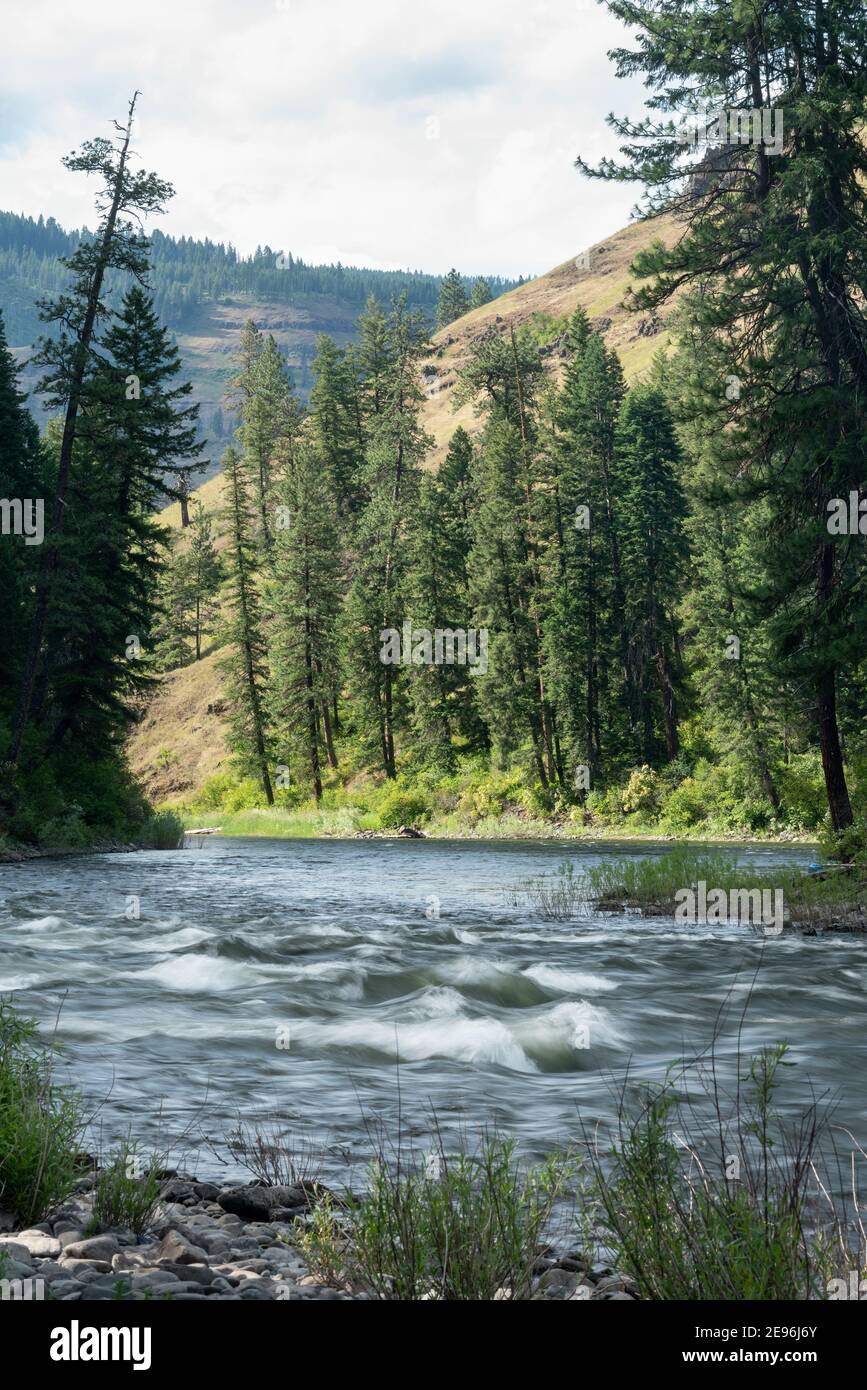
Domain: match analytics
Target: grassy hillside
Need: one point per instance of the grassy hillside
(180, 744)
(204, 292)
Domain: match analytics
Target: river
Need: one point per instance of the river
(259, 977)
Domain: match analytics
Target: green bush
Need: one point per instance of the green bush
(450, 1226)
(41, 1123)
(849, 846)
(642, 791)
(721, 1209)
(67, 831)
(127, 1190)
(802, 790)
(686, 806)
(162, 830)
(607, 805)
(493, 794)
(399, 806)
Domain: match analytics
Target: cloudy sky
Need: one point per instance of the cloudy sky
(377, 132)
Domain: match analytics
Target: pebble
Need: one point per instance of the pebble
(216, 1244)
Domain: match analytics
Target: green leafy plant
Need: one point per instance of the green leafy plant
(162, 830)
(723, 1208)
(453, 1226)
(127, 1190)
(41, 1123)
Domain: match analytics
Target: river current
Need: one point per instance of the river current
(329, 983)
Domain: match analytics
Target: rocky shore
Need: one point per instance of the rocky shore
(22, 854)
(219, 1243)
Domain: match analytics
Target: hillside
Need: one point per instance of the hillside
(181, 741)
(204, 292)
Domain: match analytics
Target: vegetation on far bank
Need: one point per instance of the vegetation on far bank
(696, 799)
(833, 896)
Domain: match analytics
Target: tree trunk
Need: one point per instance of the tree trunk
(832, 758)
(312, 722)
(826, 710)
(672, 742)
(329, 736)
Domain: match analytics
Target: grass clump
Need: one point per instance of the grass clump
(271, 1155)
(41, 1123)
(728, 1209)
(128, 1189)
(833, 898)
(446, 1226)
(162, 830)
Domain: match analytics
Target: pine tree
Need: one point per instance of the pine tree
(334, 410)
(22, 477)
(134, 434)
(481, 293)
(68, 357)
(453, 299)
(390, 479)
(773, 263)
(245, 663)
(651, 509)
(594, 596)
(270, 423)
(304, 600)
(173, 630)
(505, 577)
(205, 573)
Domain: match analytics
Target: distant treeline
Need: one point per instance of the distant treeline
(186, 272)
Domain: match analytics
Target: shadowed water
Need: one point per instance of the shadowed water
(496, 1015)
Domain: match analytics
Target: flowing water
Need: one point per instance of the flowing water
(287, 977)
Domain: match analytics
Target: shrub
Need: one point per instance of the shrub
(398, 806)
(849, 845)
(67, 831)
(41, 1123)
(127, 1190)
(162, 830)
(719, 1210)
(492, 794)
(641, 792)
(802, 790)
(606, 805)
(448, 1226)
(686, 806)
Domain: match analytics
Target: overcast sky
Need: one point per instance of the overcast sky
(378, 132)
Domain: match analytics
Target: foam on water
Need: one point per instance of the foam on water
(495, 1014)
(568, 981)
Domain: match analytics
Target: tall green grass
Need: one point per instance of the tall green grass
(650, 883)
(445, 1226)
(734, 1207)
(162, 830)
(41, 1123)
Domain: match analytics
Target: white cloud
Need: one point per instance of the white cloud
(306, 125)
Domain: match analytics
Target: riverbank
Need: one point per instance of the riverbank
(380, 999)
(209, 1242)
(23, 854)
(348, 822)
